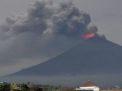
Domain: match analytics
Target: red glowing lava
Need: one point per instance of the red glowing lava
(88, 35)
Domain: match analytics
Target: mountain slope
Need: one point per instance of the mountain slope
(90, 57)
(96, 59)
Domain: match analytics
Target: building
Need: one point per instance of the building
(88, 86)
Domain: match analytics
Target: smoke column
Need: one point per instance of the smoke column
(44, 32)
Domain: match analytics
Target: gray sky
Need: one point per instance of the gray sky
(106, 14)
(19, 51)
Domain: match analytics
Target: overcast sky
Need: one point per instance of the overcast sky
(105, 14)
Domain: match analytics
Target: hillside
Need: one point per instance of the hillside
(95, 59)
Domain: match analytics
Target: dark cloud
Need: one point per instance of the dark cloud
(45, 32)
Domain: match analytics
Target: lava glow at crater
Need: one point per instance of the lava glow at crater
(88, 35)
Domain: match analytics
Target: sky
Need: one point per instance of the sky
(105, 14)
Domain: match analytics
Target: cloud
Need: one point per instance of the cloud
(44, 32)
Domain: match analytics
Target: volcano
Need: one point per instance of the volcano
(97, 59)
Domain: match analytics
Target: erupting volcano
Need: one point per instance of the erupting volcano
(73, 56)
(96, 59)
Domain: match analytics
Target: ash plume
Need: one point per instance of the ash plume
(44, 32)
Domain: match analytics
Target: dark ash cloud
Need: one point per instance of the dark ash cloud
(45, 32)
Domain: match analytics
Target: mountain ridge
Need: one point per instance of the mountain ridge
(87, 46)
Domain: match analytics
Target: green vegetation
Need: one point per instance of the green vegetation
(30, 87)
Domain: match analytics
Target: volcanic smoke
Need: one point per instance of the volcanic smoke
(45, 31)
